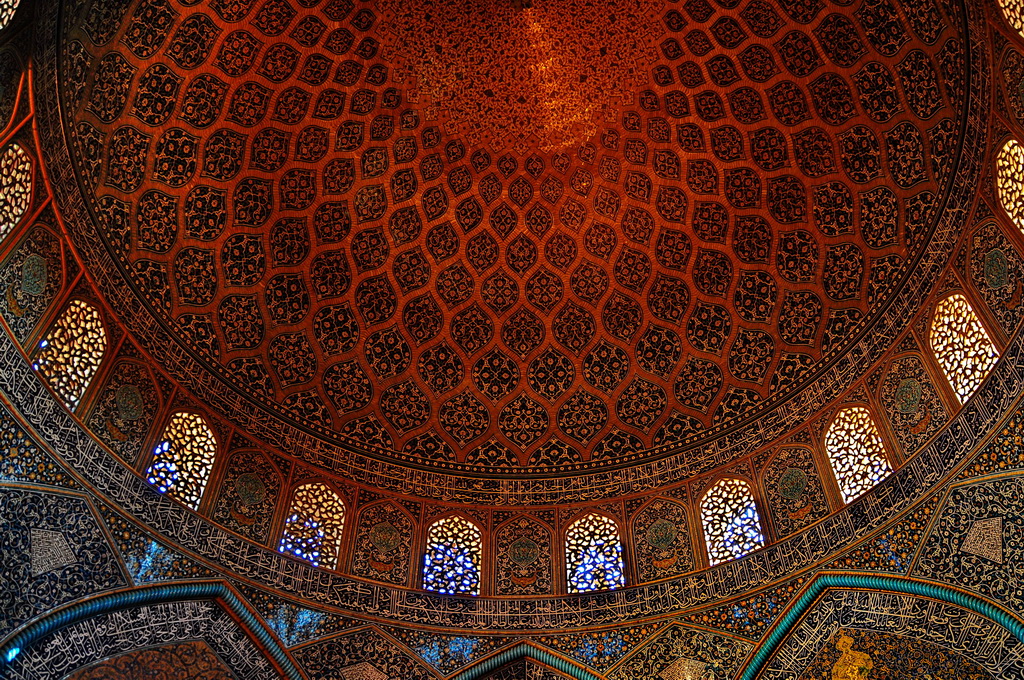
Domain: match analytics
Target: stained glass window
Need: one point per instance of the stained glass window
(452, 562)
(312, 529)
(961, 346)
(70, 354)
(1013, 10)
(15, 178)
(1010, 180)
(593, 555)
(7, 10)
(732, 527)
(183, 458)
(856, 452)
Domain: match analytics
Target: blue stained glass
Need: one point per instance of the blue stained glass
(304, 538)
(451, 564)
(70, 354)
(312, 529)
(732, 527)
(593, 554)
(163, 473)
(741, 530)
(183, 458)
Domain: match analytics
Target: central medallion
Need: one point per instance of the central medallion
(535, 73)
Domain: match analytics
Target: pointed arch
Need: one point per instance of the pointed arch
(856, 452)
(523, 557)
(961, 345)
(183, 458)
(69, 356)
(593, 555)
(382, 548)
(732, 526)
(794, 493)
(661, 540)
(526, 651)
(451, 562)
(248, 493)
(124, 412)
(15, 172)
(313, 525)
(34, 275)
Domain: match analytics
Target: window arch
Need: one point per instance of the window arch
(451, 564)
(961, 345)
(7, 10)
(313, 526)
(70, 354)
(15, 176)
(1010, 180)
(1013, 10)
(732, 527)
(593, 555)
(183, 458)
(856, 452)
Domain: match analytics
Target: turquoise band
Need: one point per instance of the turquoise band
(521, 651)
(887, 584)
(140, 597)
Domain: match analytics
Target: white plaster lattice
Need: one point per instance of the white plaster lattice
(985, 539)
(49, 550)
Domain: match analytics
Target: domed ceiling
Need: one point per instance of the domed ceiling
(517, 237)
(506, 281)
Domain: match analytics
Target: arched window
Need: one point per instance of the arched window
(961, 345)
(593, 555)
(7, 10)
(312, 528)
(1010, 180)
(15, 178)
(856, 452)
(1013, 10)
(70, 354)
(183, 458)
(452, 562)
(732, 527)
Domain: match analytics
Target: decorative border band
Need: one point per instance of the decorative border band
(888, 584)
(526, 651)
(150, 595)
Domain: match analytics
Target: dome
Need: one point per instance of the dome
(629, 248)
(511, 338)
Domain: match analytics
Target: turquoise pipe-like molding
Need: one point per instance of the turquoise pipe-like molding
(890, 584)
(521, 651)
(140, 597)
